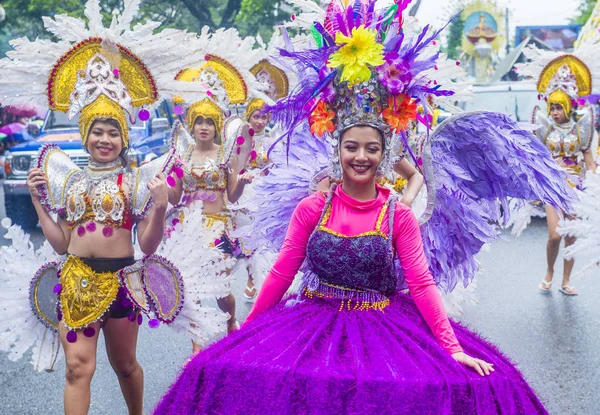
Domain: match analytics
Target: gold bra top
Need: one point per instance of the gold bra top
(208, 176)
(105, 204)
(259, 159)
(569, 139)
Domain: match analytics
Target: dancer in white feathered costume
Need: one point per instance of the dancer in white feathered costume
(568, 133)
(256, 262)
(107, 77)
(212, 145)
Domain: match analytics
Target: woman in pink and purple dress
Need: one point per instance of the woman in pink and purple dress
(350, 342)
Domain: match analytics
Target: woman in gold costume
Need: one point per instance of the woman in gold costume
(568, 135)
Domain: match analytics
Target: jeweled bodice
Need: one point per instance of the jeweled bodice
(208, 175)
(563, 140)
(259, 159)
(360, 262)
(104, 202)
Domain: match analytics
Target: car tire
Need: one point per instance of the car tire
(21, 211)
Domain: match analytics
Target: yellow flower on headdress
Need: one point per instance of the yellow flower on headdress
(321, 119)
(360, 49)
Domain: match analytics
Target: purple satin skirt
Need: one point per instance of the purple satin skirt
(312, 359)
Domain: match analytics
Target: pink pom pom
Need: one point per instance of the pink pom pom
(171, 181)
(251, 132)
(239, 150)
(240, 140)
(178, 172)
(71, 337)
(89, 332)
(293, 17)
(435, 67)
(253, 155)
(144, 115)
(457, 63)
(178, 110)
(217, 242)
(209, 93)
(116, 72)
(581, 101)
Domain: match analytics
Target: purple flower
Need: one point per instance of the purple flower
(394, 74)
(328, 94)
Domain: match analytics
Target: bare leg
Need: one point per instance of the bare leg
(81, 364)
(250, 291)
(568, 267)
(121, 336)
(227, 305)
(553, 244)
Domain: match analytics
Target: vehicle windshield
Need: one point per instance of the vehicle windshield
(60, 121)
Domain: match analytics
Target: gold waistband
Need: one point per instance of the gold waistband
(221, 217)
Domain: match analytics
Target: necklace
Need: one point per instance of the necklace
(97, 172)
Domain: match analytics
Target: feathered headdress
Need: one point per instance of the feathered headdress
(365, 71)
(269, 73)
(220, 76)
(95, 71)
(564, 80)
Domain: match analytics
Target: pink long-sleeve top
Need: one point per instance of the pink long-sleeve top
(351, 217)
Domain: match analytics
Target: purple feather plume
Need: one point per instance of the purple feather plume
(287, 184)
(480, 160)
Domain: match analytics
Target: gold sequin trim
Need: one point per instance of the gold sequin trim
(375, 232)
(350, 305)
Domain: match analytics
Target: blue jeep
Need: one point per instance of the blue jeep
(147, 138)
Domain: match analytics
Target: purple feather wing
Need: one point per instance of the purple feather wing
(480, 160)
(287, 184)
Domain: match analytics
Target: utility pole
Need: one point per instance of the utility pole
(507, 31)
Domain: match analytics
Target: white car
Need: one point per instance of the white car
(514, 98)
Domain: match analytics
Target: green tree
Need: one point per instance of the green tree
(24, 17)
(454, 39)
(260, 16)
(584, 11)
(455, 30)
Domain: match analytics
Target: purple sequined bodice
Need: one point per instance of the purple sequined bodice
(362, 262)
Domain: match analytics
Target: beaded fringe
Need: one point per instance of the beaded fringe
(352, 299)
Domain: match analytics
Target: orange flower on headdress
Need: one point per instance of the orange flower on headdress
(321, 119)
(400, 111)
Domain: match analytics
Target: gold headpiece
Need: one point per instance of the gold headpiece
(207, 109)
(563, 80)
(100, 81)
(255, 104)
(223, 84)
(275, 79)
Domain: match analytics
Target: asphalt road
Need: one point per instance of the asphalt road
(552, 338)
